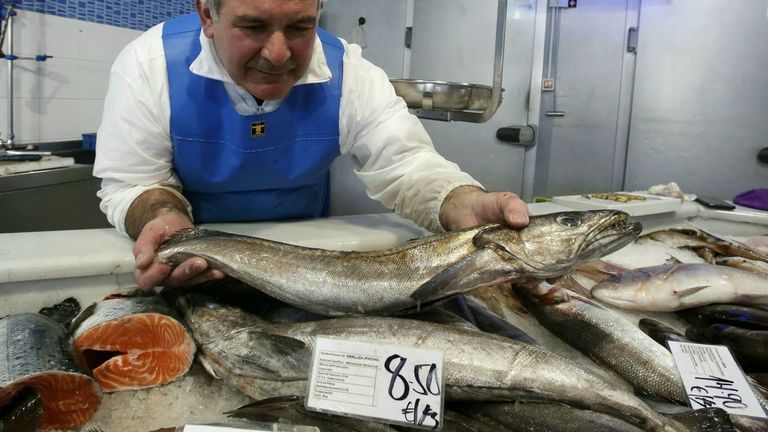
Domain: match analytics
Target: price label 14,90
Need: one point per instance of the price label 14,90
(712, 378)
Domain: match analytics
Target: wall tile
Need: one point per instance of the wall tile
(132, 14)
(89, 115)
(63, 97)
(92, 79)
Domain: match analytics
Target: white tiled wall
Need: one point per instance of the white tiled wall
(61, 98)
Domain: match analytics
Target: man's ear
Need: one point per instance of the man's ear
(204, 12)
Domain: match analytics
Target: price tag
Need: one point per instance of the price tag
(712, 378)
(391, 384)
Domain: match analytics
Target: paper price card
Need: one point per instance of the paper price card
(712, 378)
(391, 384)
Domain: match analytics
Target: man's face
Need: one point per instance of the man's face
(265, 45)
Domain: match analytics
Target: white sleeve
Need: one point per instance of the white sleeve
(392, 153)
(133, 148)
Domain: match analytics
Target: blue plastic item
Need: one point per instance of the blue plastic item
(89, 141)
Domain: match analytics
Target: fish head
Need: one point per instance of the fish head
(551, 244)
(210, 320)
(622, 290)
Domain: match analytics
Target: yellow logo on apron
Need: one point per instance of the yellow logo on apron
(258, 128)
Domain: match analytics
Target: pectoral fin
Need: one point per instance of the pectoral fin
(689, 291)
(480, 268)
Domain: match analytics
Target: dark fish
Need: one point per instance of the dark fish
(750, 347)
(291, 409)
(486, 320)
(23, 412)
(422, 271)
(659, 332)
(735, 315)
(35, 352)
(440, 315)
(64, 312)
(705, 420)
(546, 417)
(760, 378)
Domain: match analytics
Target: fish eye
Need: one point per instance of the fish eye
(569, 221)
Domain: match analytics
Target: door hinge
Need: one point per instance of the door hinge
(632, 40)
(408, 36)
(563, 3)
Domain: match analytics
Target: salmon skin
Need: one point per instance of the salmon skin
(132, 342)
(35, 353)
(404, 278)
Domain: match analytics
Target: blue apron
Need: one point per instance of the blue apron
(257, 167)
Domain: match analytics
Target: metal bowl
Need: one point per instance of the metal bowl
(443, 95)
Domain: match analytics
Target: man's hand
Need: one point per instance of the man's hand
(156, 215)
(469, 206)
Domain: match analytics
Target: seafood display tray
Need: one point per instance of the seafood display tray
(652, 204)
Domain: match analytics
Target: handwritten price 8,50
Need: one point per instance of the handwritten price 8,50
(427, 382)
(715, 390)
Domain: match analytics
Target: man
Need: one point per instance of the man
(236, 114)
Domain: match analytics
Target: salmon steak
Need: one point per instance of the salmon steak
(132, 342)
(35, 356)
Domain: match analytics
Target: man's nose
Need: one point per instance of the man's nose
(276, 49)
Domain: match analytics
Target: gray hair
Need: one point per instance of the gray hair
(215, 7)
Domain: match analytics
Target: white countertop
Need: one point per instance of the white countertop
(47, 255)
(77, 253)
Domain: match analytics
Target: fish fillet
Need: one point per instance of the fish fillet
(133, 343)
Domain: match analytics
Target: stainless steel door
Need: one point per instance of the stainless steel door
(454, 40)
(584, 120)
(700, 112)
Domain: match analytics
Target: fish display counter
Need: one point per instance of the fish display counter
(42, 269)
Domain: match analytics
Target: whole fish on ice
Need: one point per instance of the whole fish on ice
(736, 315)
(421, 271)
(477, 366)
(706, 244)
(672, 287)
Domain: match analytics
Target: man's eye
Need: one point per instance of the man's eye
(253, 29)
(301, 28)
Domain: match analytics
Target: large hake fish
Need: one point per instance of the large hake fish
(672, 287)
(477, 366)
(421, 271)
(35, 353)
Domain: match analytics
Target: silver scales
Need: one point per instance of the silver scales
(453, 101)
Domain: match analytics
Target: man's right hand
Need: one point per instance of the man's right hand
(153, 218)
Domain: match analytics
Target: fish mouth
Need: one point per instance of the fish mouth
(611, 235)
